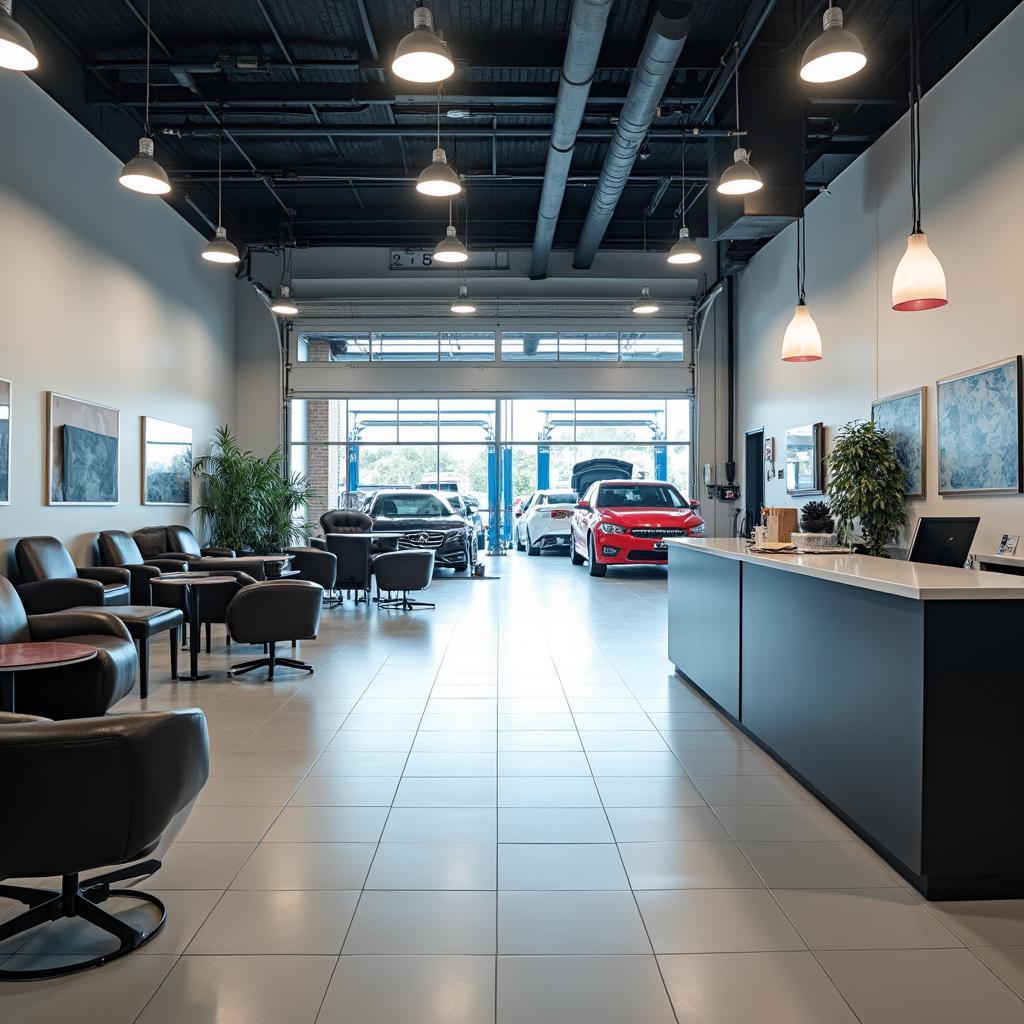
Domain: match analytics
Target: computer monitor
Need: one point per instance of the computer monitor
(943, 540)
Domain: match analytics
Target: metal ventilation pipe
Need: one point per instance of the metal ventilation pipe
(586, 33)
(665, 40)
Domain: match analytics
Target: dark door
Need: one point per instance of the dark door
(754, 484)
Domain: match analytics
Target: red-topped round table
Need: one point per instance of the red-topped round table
(16, 658)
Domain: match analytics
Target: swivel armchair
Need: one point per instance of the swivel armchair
(50, 581)
(354, 563)
(402, 572)
(92, 793)
(316, 566)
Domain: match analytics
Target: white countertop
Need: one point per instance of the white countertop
(904, 579)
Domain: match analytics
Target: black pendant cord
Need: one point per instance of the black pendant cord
(146, 128)
(682, 181)
(220, 179)
(801, 260)
(915, 113)
(736, 76)
(439, 117)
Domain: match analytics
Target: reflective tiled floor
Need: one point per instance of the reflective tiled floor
(508, 810)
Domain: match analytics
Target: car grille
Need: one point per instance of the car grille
(654, 533)
(421, 539)
(647, 556)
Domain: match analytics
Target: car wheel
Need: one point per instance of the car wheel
(574, 556)
(531, 548)
(596, 568)
(519, 540)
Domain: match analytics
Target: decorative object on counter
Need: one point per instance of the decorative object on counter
(1008, 544)
(780, 524)
(866, 485)
(979, 427)
(166, 463)
(902, 417)
(816, 517)
(804, 451)
(83, 440)
(5, 441)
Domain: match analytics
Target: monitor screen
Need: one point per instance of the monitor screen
(943, 540)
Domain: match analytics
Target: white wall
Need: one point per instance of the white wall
(972, 174)
(105, 299)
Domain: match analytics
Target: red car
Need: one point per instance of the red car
(625, 522)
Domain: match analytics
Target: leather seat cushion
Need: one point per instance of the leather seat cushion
(144, 620)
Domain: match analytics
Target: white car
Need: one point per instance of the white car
(544, 521)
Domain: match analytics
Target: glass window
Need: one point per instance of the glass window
(593, 345)
(562, 498)
(373, 420)
(467, 345)
(680, 419)
(333, 347)
(640, 496)
(541, 346)
(405, 346)
(649, 345)
(612, 419)
(417, 420)
(466, 419)
(412, 505)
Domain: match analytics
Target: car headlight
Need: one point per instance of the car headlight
(698, 531)
(453, 534)
(612, 528)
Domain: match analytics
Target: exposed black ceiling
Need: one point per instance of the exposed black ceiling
(321, 143)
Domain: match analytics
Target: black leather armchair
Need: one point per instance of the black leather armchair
(87, 794)
(182, 541)
(74, 691)
(316, 566)
(345, 520)
(118, 549)
(354, 563)
(50, 581)
(272, 612)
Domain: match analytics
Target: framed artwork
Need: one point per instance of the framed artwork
(166, 463)
(804, 456)
(979, 428)
(83, 442)
(5, 441)
(902, 417)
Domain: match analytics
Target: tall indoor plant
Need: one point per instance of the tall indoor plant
(248, 504)
(866, 485)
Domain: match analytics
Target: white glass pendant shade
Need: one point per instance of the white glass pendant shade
(220, 249)
(437, 178)
(685, 250)
(740, 178)
(422, 55)
(450, 249)
(16, 50)
(802, 342)
(645, 305)
(836, 54)
(143, 174)
(283, 304)
(463, 304)
(919, 282)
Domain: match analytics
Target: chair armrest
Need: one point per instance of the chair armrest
(318, 542)
(168, 564)
(44, 596)
(217, 552)
(177, 556)
(13, 718)
(55, 625)
(105, 574)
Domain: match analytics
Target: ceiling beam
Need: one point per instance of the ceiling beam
(311, 131)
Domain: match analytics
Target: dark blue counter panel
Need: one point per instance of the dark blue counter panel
(704, 623)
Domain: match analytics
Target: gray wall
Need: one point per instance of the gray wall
(973, 166)
(105, 299)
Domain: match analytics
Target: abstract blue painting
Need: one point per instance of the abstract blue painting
(979, 430)
(82, 453)
(902, 418)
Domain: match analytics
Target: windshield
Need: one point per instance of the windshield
(568, 498)
(640, 496)
(411, 505)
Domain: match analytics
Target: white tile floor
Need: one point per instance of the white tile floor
(508, 810)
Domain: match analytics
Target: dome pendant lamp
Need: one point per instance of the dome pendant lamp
(219, 249)
(836, 54)
(450, 249)
(284, 304)
(919, 282)
(437, 178)
(646, 304)
(142, 173)
(740, 178)
(802, 341)
(16, 50)
(463, 305)
(423, 56)
(685, 250)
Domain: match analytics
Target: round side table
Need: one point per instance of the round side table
(15, 658)
(194, 583)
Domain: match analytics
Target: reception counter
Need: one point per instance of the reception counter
(894, 691)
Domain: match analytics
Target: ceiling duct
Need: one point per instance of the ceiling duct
(665, 41)
(582, 49)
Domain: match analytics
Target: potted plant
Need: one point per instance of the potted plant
(866, 486)
(816, 517)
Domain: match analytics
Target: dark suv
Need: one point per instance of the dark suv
(426, 521)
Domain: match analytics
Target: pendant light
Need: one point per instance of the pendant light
(836, 54)
(685, 250)
(463, 305)
(645, 305)
(422, 55)
(219, 249)
(142, 173)
(740, 178)
(283, 304)
(16, 50)
(450, 249)
(802, 341)
(919, 282)
(437, 178)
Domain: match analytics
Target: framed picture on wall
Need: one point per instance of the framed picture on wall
(979, 429)
(902, 417)
(82, 451)
(166, 463)
(804, 458)
(5, 441)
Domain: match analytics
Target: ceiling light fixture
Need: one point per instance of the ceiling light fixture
(645, 305)
(463, 304)
(219, 249)
(740, 178)
(284, 304)
(437, 178)
(142, 173)
(835, 54)
(16, 50)
(919, 282)
(450, 249)
(422, 55)
(802, 341)
(685, 250)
